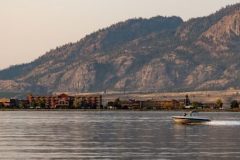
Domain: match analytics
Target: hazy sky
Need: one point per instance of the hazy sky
(29, 28)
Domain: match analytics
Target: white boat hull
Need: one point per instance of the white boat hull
(190, 120)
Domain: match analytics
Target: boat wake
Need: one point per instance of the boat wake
(223, 123)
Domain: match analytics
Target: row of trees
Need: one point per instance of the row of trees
(217, 105)
(234, 104)
(117, 104)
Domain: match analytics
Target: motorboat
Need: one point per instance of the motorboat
(190, 118)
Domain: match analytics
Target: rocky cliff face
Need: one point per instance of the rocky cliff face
(157, 54)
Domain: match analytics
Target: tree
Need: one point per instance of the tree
(21, 105)
(197, 105)
(234, 104)
(84, 104)
(42, 103)
(117, 103)
(76, 103)
(219, 103)
(168, 105)
(33, 104)
(1, 105)
(187, 101)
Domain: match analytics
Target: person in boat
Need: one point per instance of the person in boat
(190, 113)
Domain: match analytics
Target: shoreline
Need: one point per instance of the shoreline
(107, 110)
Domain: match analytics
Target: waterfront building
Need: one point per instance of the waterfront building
(64, 101)
(5, 102)
(88, 101)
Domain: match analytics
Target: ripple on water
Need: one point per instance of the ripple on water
(115, 135)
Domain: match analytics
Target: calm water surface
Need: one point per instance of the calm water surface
(116, 135)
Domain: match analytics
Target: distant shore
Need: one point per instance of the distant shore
(104, 110)
(201, 96)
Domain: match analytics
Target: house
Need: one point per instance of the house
(5, 102)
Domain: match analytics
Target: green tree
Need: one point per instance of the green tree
(42, 103)
(197, 105)
(117, 103)
(21, 105)
(84, 104)
(219, 103)
(187, 101)
(33, 104)
(234, 104)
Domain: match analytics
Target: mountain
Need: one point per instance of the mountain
(156, 54)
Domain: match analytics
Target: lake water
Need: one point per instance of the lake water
(116, 135)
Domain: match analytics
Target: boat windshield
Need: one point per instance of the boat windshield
(190, 114)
